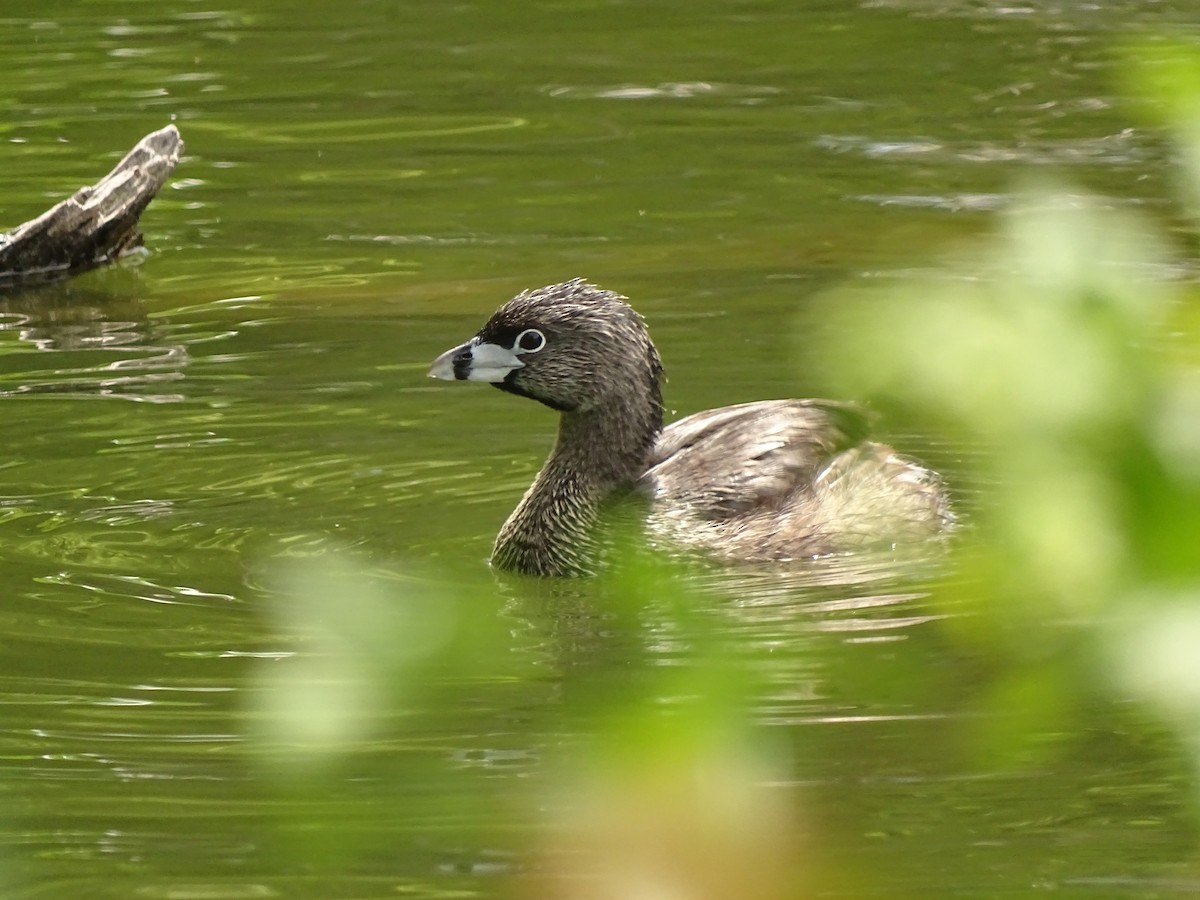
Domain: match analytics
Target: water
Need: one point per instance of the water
(364, 182)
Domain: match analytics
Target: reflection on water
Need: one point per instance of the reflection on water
(94, 342)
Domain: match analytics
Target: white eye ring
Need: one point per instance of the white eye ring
(529, 341)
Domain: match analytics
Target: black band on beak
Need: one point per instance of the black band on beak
(461, 361)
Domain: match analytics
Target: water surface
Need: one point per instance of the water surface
(363, 184)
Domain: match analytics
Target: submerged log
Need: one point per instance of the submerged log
(98, 223)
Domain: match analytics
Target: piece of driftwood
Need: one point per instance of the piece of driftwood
(95, 225)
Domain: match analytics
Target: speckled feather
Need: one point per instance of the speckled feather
(787, 479)
(770, 480)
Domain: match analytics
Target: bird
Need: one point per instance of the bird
(769, 480)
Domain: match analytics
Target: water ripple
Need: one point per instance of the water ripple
(948, 202)
(666, 90)
(1118, 149)
(361, 130)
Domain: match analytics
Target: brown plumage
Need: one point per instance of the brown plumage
(772, 480)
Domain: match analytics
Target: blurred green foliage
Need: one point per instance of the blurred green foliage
(1061, 360)
(1064, 357)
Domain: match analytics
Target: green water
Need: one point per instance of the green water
(363, 183)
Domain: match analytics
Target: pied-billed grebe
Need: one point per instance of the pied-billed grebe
(773, 480)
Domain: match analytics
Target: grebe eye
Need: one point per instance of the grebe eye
(529, 341)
